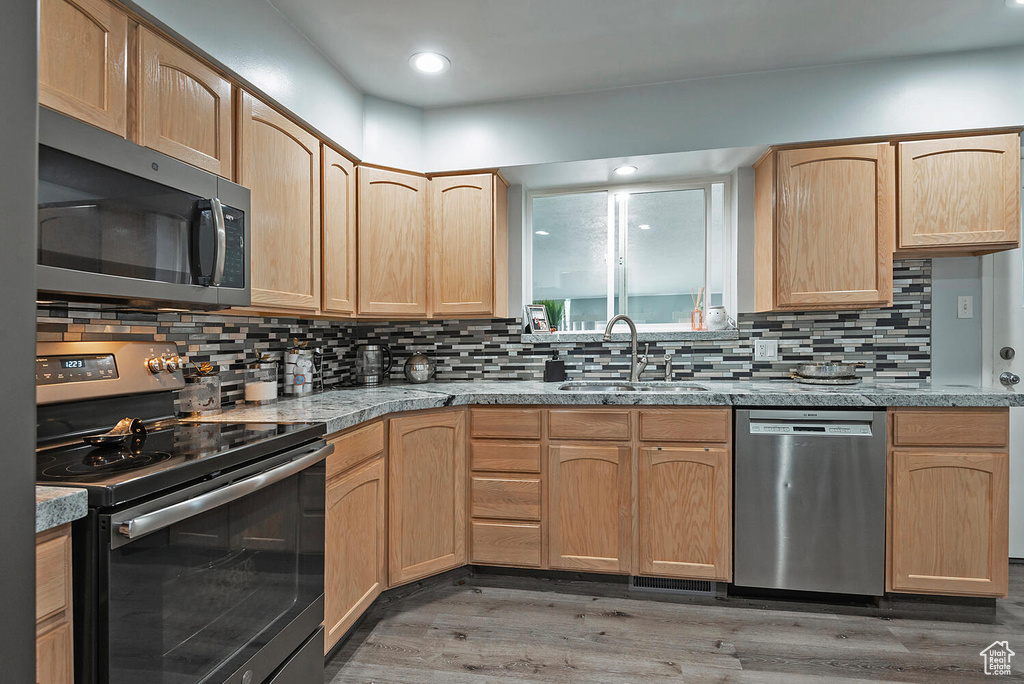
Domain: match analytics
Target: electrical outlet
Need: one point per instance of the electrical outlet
(965, 306)
(766, 350)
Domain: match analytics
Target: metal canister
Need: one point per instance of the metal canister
(418, 369)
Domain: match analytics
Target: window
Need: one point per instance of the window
(645, 252)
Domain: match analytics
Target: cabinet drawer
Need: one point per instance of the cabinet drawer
(506, 544)
(505, 423)
(354, 447)
(505, 457)
(685, 425)
(951, 428)
(505, 497)
(53, 558)
(583, 424)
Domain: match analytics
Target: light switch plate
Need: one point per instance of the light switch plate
(766, 350)
(965, 306)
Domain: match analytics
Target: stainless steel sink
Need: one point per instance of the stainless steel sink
(673, 387)
(597, 387)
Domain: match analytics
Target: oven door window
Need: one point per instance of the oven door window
(194, 601)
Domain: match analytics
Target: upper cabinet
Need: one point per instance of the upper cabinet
(392, 243)
(280, 164)
(184, 107)
(83, 54)
(339, 233)
(467, 239)
(825, 218)
(959, 195)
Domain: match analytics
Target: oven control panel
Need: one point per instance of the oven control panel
(75, 371)
(51, 370)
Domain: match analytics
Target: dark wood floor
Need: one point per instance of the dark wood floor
(486, 629)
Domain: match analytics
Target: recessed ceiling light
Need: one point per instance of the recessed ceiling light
(644, 226)
(429, 63)
(542, 232)
(1016, 4)
(625, 171)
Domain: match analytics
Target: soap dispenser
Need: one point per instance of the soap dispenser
(554, 369)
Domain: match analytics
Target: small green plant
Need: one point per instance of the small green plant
(555, 309)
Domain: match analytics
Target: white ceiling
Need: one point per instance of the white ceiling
(501, 50)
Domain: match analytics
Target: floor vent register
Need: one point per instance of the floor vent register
(667, 585)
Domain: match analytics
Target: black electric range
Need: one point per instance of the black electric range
(201, 558)
(171, 454)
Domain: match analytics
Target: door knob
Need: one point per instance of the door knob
(1007, 353)
(1009, 379)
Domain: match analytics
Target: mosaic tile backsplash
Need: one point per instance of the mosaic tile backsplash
(893, 342)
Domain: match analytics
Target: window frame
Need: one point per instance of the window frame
(617, 286)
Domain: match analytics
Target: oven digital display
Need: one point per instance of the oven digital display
(54, 370)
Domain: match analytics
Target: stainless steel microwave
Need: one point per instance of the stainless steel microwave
(118, 221)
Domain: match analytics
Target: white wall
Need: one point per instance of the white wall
(956, 342)
(967, 90)
(393, 134)
(254, 40)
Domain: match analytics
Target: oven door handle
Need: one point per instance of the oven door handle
(165, 517)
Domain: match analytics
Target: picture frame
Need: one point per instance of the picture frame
(536, 317)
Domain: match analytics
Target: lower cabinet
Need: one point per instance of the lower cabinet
(950, 522)
(684, 513)
(356, 547)
(54, 646)
(426, 495)
(589, 507)
(949, 505)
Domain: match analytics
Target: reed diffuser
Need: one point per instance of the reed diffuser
(697, 313)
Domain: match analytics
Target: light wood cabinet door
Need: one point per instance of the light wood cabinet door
(589, 508)
(83, 55)
(339, 233)
(356, 547)
(684, 513)
(950, 522)
(393, 244)
(426, 495)
(959, 194)
(184, 106)
(462, 245)
(54, 662)
(54, 647)
(280, 164)
(834, 227)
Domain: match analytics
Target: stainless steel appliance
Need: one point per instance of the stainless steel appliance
(118, 221)
(810, 501)
(202, 556)
(418, 368)
(373, 363)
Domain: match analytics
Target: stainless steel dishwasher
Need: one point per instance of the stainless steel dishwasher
(810, 501)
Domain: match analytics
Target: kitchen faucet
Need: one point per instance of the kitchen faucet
(635, 369)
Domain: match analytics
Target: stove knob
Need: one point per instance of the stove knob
(155, 365)
(172, 364)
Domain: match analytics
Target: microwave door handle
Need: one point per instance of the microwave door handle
(217, 209)
(175, 513)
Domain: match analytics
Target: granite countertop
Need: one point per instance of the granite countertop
(58, 505)
(343, 408)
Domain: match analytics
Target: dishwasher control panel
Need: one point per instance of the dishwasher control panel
(851, 430)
